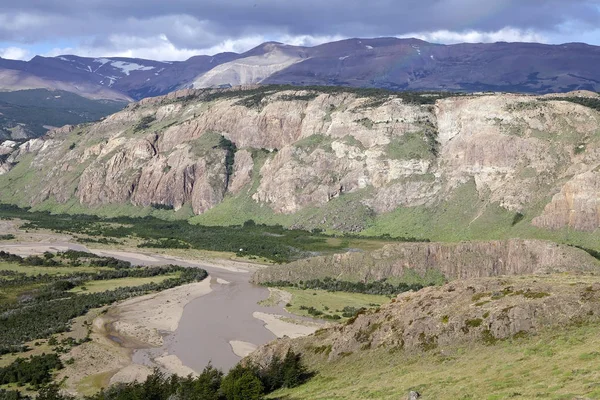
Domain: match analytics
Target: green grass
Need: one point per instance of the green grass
(235, 210)
(341, 212)
(330, 302)
(562, 364)
(205, 144)
(410, 146)
(10, 294)
(111, 284)
(463, 216)
(41, 270)
(311, 143)
(410, 277)
(112, 210)
(90, 385)
(17, 185)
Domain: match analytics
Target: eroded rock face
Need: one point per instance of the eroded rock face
(302, 149)
(483, 310)
(242, 174)
(452, 260)
(576, 206)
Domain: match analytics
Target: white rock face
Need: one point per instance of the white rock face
(246, 71)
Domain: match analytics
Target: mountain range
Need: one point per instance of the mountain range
(390, 63)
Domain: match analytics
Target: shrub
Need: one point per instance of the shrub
(144, 123)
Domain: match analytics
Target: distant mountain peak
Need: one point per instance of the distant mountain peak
(385, 62)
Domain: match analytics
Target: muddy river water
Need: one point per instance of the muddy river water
(210, 322)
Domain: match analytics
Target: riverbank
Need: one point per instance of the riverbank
(148, 318)
(179, 330)
(122, 329)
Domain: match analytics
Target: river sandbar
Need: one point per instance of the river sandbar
(242, 349)
(281, 328)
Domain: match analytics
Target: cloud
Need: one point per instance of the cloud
(471, 36)
(154, 48)
(161, 48)
(15, 53)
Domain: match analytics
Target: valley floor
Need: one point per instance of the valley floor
(225, 317)
(178, 330)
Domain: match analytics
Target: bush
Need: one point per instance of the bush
(144, 123)
(34, 371)
(334, 285)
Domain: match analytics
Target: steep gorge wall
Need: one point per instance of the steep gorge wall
(454, 260)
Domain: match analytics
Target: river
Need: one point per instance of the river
(208, 323)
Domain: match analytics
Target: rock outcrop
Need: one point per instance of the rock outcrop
(576, 206)
(298, 151)
(452, 260)
(484, 310)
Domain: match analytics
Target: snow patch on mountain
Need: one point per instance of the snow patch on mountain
(101, 61)
(127, 67)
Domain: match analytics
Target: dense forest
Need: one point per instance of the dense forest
(273, 242)
(591, 102)
(35, 371)
(38, 305)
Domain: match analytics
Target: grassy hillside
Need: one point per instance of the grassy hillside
(557, 364)
(545, 138)
(464, 216)
(530, 336)
(328, 304)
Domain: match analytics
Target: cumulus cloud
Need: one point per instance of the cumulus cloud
(154, 48)
(15, 53)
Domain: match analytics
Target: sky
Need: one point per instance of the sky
(178, 29)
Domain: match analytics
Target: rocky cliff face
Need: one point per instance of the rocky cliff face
(453, 260)
(293, 153)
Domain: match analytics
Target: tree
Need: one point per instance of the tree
(286, 373)
(294, 372)
(242, 383)
(208, 383)
(249, 223)
(52, 392)
(204, 387)
(11, 395)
